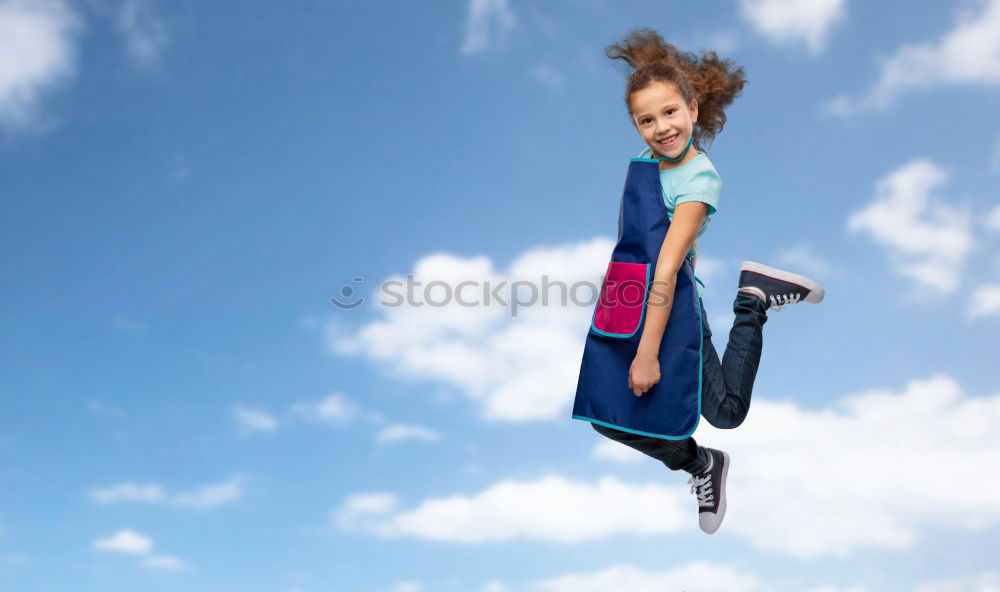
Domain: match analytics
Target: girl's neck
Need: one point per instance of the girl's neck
(666, 165)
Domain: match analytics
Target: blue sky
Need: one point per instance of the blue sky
(186, 185)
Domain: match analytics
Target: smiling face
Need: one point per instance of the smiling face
(664, 120)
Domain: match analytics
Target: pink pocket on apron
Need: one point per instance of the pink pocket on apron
(622, 303)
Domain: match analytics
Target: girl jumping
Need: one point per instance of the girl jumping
(675, 101)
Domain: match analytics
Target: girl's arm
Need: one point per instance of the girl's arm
(683, 230)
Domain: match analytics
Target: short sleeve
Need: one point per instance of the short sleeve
(703, 186)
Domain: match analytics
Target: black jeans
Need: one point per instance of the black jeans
(725, 392)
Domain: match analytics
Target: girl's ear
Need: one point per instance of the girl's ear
(694, 110)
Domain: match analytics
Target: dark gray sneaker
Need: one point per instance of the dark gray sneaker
(778, 287)
(710, 488)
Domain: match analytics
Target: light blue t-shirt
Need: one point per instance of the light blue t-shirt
(695, 180)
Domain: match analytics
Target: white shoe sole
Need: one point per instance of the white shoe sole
(722, 498)
(816, 292)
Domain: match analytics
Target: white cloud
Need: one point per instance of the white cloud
(144, 33)
(549, 77)
(127, 324)
(128, 492)
(364, 504)
(495, 586)
(993, 220)
(134, 543)
(104, 409)
(408, 586)
(164, 562)
(254, 420)
(14, 558)
(701, 575)
(486, 24)
(863, 474)
(966, 55)
(550, 508)
(124, 541)
(722, 42)
(984, 582)
(608, 449)
(804, 260)
(708, 268)
(208, 496)
(985, 301)
(927, 239)
(836, 494)
(790, 22)
(335, 409)
(995, 157)
(518, 362)
(704, 576)
(37, 53)
(179, 167)
(398, 432)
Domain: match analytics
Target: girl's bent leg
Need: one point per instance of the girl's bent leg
(727, 385)
(678, 455)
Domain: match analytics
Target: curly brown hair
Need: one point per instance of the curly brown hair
(713, 81)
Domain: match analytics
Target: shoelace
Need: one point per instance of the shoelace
(702, 488)
(778, 301)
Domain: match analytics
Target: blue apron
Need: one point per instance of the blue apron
(672, 407)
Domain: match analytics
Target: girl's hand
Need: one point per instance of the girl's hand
(643, 374)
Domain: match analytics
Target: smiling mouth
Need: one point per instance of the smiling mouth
(669, 141)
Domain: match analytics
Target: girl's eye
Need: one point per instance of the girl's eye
(669, 111)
